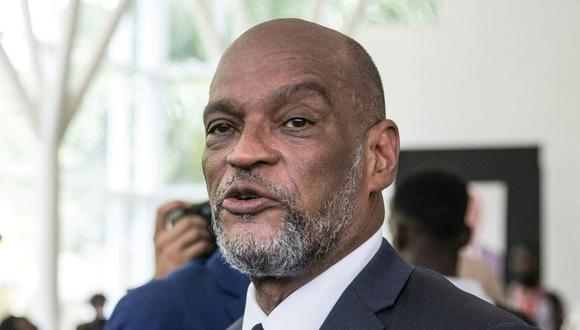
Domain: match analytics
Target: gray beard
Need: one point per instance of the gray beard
(302, 241)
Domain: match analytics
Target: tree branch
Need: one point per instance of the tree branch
(93, 65)
(29, 108)
(206, 31)
(61, 92)
(33, 48)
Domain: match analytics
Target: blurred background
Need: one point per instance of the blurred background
(100, 123)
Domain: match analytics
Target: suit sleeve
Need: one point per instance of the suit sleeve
(133, 314)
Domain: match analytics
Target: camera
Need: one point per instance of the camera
(203, 210)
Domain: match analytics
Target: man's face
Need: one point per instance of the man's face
(280, 153)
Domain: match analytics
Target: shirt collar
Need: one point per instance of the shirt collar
(322, 292)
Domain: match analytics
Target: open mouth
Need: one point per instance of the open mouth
(248, 198)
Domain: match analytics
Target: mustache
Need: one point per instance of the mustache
(282, 195)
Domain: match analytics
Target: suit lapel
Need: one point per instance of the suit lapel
(373, 290)
(235, 308)
(351, 313)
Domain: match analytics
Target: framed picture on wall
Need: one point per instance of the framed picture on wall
(504, 187)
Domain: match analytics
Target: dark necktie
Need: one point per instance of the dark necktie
(258, 327)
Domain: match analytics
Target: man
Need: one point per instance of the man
(298, 150)
(16, 323)
(189, 292)
(428, 224)
(97, 302)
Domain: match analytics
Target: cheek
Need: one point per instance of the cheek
(318, 174)
(212, 171)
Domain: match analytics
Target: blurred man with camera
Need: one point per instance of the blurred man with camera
(193, 287)
(181, 235)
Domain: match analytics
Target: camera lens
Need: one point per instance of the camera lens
(203, 210)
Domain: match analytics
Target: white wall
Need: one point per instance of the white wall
(497, 73)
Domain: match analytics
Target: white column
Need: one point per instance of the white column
(149, 133)
(48, 307)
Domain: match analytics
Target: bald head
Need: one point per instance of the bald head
(349, 68)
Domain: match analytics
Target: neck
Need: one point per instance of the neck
(270, 292)
(445, 265)
(442, 260)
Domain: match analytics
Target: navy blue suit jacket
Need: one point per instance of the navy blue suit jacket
(391, 294)
(199, 296)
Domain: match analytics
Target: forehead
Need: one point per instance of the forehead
(250, 71)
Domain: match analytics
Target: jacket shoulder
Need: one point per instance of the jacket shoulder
(429, 301)
(187, 298)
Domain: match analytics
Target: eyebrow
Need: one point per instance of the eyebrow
(287, 92)
(280, 96)
(224, 105)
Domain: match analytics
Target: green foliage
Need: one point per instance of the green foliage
(337, 11)
(260, 10)
(184, 130)
(90, 22)
(183, 37)
(408, 11)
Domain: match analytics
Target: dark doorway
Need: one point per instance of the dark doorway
(518, 168)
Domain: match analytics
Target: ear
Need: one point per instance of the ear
(382, 145)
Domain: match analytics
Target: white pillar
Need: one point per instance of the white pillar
(48, 306)
(148, 131)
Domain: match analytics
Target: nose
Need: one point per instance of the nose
(253, 148)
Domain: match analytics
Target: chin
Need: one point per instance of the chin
(259, 231)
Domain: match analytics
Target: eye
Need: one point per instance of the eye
(219, 128)
(297, 123)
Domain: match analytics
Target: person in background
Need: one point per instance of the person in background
(428, 224)
(472, 261)
(472, 267)
(559, 310)
(527, 294)
(193, 288)
(97, 301)
(181, 237)
(16, 323)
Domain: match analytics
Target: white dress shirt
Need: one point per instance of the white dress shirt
(308, 307)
